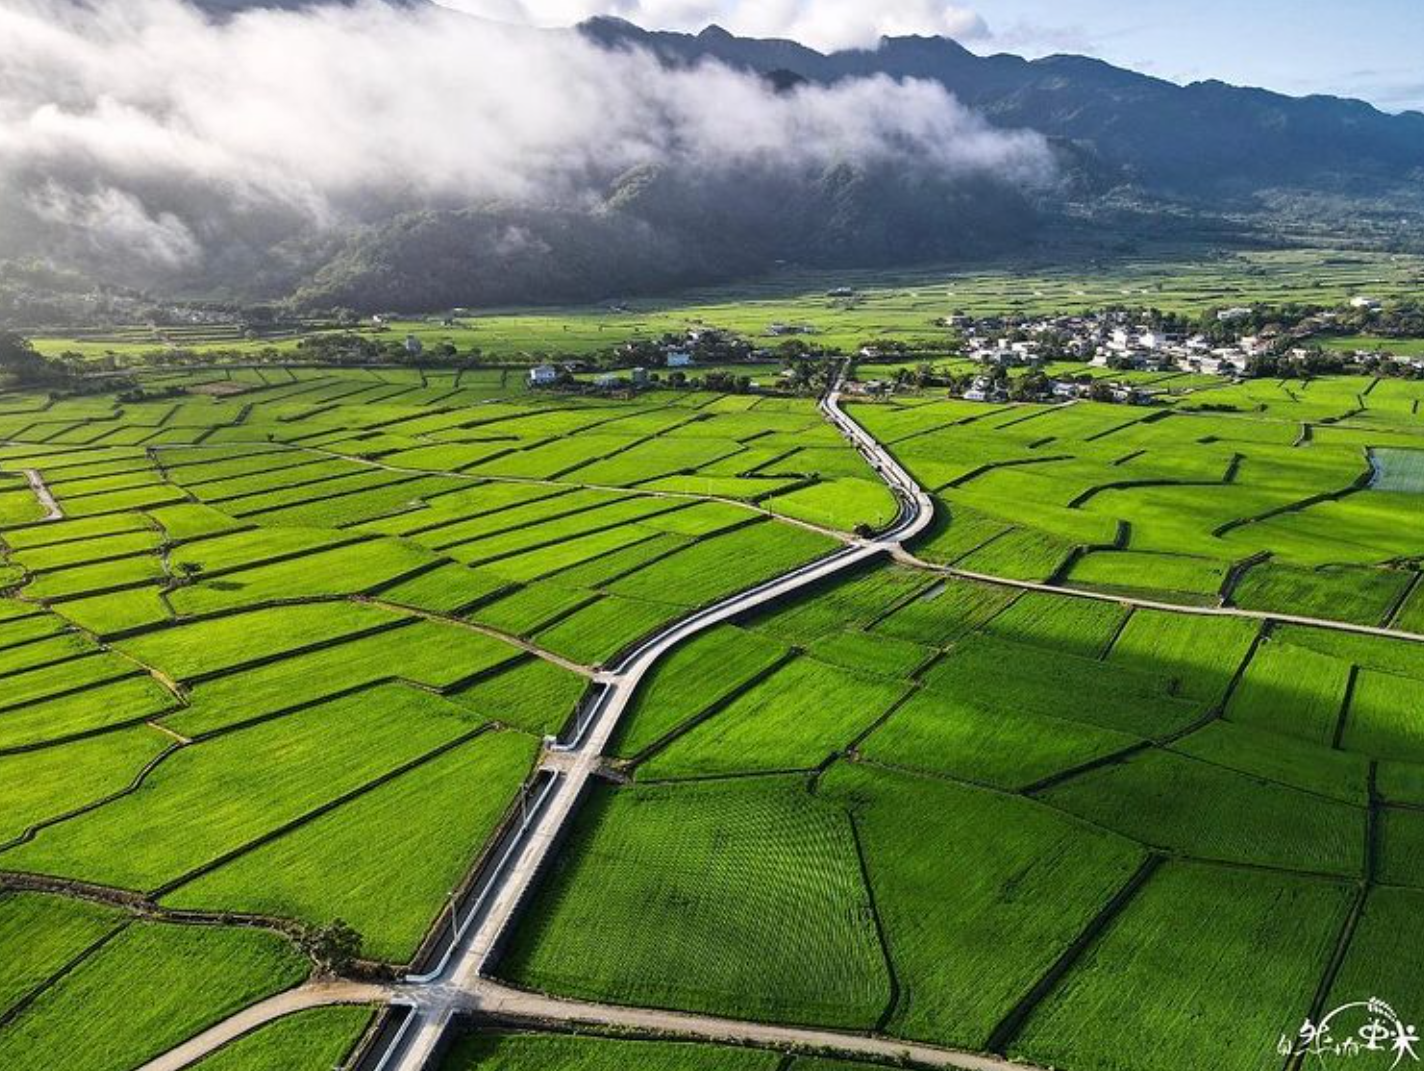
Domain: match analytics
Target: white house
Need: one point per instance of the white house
(1363, 302)
(983, 390)
(543, 375)
(679, 359)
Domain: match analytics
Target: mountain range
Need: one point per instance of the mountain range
(1137, 158)
(1207, 138)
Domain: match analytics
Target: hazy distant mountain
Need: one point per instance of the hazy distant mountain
(1132, 157)
(1205, 138)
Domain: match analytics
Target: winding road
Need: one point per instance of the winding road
(456, 984)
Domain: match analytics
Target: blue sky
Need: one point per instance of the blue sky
(1372, 49)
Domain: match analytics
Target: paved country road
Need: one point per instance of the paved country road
(457, 983)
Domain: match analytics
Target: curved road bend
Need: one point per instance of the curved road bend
(303, 998)
(462, 968)
(456, 983)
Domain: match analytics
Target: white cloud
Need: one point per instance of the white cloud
(824, 24)
(147, 128)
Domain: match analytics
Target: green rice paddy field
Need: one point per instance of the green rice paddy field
(894, 305)
(290, 654)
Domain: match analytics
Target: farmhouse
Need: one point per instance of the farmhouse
(543, 375)
(679, 359)
(983, 389)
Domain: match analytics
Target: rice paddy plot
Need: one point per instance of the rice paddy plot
(1361, 596)
(1386, 717)
(1171, 577)
(318, 1039)
(531, 695)
(107, 705)
(40, 936)
(1380, 960)
(845, 504)
(983, 742)
(217, 797)
(597, 632)
(1215, 964)
(47, 783)
(1083, 627)
(855, 601)
(978, 893)
(693, 678)
(1401, 859)
(985, 671)
(945, 611)
(1282, 760)
(740, 898)
(1186, 805)
(434, 654)
(1201, 654)
(1293, 691)
(348, 570)
(150, 988)
(866, 652)
(792, 720)
(205, 648)
(384, 862)
(1398, 470)
(725, 564)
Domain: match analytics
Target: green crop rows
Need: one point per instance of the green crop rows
(1059, 807)
(288, 656)
(1103, 740)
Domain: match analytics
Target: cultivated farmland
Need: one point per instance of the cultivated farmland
(291, 656)
(289, 653)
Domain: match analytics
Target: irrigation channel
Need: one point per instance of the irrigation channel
(452, 979)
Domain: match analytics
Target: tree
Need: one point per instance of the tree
(333, 947)
(19, 359)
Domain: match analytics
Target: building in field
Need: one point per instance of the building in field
(679, 359)
(543, 375)
(413, 346)
(983, 389)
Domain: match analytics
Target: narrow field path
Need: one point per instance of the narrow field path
(303, 998)
(484, 630)
(516, 1006)
(53, 512)
(457, 984)
(904, 557)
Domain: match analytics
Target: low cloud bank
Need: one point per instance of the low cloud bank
(145, 133)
